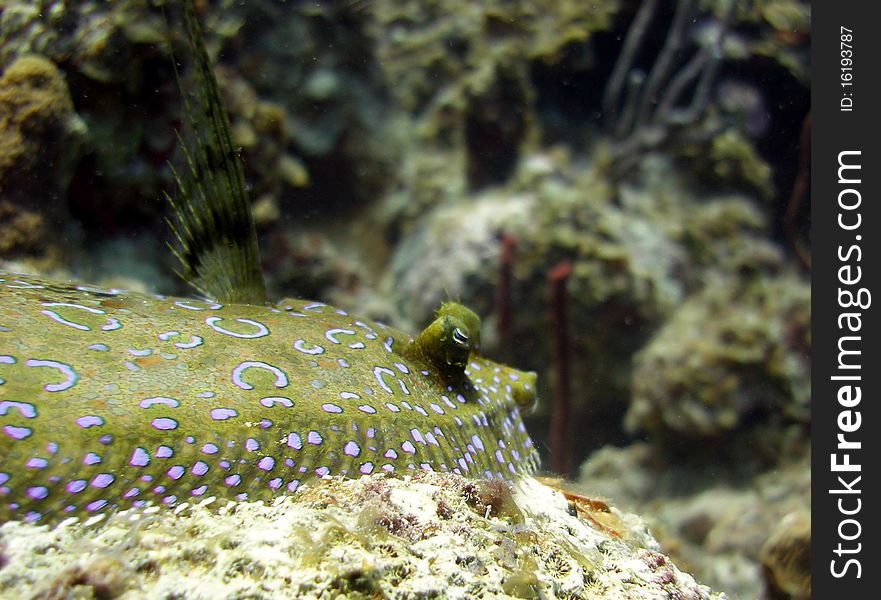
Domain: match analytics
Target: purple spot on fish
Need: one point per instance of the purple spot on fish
(17, 433)
(89, 421)
(139, 458)
(232, 480)
(51, 447)
(314, 438)
(478, 443)
(322, 471)
(96, 505)
(366, 408)
(331, 334)
(4, 477)
(164, 423)
(91, 459)
(37, 492)
(294, 441)
(164, 452)
(408, 447)
(102, 480)
(36, 463)
(417, 436)
(351, 449)
(28, 411)
(275, 483)
(222, 414)
(175, 472)
(436, 408)
(390, 453)
(199, 490)
(112, 325)
(366, 468)
(262, 330)
(224, 464)
(331, 408)
(281, 380)
(105, 439)
(148, 402)
(378, 373)
(349, 396)
(292, 486)
(199, 468)
(271, 401)
(429, 437)
(266, 463)
(70, 377)
(76, 486)
(252, 445)
(131, 493)
(392, 407)
(499, 457)
(301, 346)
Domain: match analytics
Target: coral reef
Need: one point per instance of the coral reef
(430, 536)
(39, 136)
(400, 153)
(736, 352)
(746, 531)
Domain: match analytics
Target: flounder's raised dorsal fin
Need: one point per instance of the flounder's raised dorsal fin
(217, 239)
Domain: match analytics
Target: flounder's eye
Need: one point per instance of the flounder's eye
(460, 337)
(447, 343)
(455, 346)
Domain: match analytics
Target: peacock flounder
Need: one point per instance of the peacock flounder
(112, 400)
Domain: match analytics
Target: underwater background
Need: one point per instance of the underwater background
(618, 188)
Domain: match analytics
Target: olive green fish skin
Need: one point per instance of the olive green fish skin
(111, 400)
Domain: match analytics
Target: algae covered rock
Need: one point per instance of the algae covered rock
(743, 528)
(736, 351)
(429, 536)
(39, 137)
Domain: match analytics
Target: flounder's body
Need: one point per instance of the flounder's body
(112, 399)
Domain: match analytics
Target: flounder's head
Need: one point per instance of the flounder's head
(452, 341)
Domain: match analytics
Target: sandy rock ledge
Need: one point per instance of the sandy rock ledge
(427, 536)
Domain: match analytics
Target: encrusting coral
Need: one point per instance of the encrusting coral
(39, 134)
(434, 535)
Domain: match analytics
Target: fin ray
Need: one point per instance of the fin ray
(216, 239)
